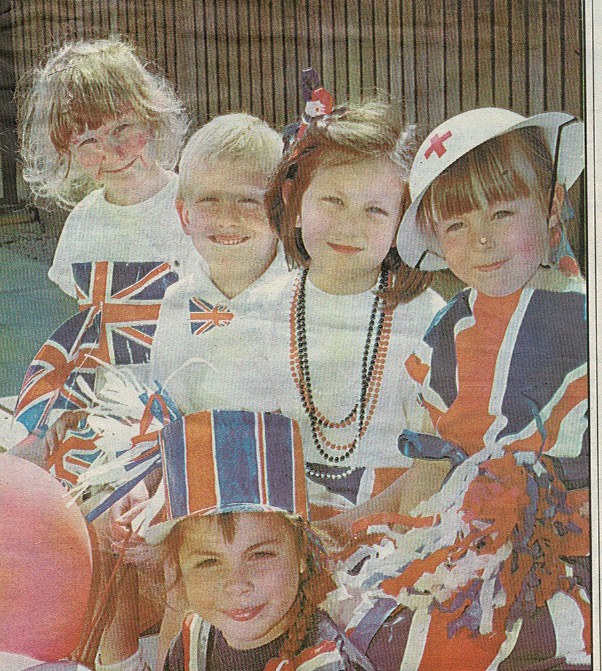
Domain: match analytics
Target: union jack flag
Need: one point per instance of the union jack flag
(48, 380)
(127, 296)
(204, 316)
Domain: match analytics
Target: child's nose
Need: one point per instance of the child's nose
(482, 236)
(237, 582)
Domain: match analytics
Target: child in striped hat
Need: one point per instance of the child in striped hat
(231, 518)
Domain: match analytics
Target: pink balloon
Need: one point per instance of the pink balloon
(45, 564)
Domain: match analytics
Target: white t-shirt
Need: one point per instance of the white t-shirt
(336, 330)
(97, 230)
(215, 350)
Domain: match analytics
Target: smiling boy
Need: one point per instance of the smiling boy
(224, 172)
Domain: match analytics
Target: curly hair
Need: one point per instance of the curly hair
(83, 85)
(369, 131)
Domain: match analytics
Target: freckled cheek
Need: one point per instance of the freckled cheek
(135, 144)
(88, 162)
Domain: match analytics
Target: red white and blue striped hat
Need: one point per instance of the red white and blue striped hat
(219, 461)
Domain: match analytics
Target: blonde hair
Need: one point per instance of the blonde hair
(515, 165)
(240, 138)
(84, 85)
(314, 582)
(369, 131)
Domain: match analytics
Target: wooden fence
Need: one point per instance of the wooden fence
(438, 56)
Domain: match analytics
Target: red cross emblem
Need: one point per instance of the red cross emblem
(437, 145)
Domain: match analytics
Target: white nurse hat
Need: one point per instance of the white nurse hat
(462, 133)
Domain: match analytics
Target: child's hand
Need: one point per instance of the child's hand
(57, 432)
(121, 516)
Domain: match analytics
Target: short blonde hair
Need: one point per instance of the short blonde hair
(83, 85)
(515, 165)
(238, 137)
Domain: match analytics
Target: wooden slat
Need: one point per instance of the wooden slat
(381, 46)
(278, 64)
(315, 40)
(409, 60)
(518, 54)
(502, 59)
(422, 66)
(572, 60)
(354, 57)
(267, 100)
(220, 31)
(256, 61)
(327, 35)
(230, 10)
(535, 56)
(553, 59)
(291, 67)
(209, 39)
(436, 57)
(340, 51)
(395, 51)
(244, 55)
(468, 56)
(452, 57)
(485, 46)
(368, 66)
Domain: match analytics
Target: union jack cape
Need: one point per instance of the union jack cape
(512, 370)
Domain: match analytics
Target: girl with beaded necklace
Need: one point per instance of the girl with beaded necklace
(352, 312)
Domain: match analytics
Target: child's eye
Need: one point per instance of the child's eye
(208, 562)
(502, 214)
(378, 210)
(206, 199)
(454, 227)
(263, 554)
(88, 141)
(249, 201)
(334, 200)
(121, 127)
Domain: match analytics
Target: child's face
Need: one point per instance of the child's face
(349, 217)
(115, 152)
(225, 216)
(245, 588)
(496, 249)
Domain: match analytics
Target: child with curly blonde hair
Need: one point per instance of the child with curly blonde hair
(101, 132)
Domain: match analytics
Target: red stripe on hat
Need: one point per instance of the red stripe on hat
(200, 462)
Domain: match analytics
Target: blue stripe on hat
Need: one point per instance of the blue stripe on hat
(236, 457)
(174, 449)
(280, 466)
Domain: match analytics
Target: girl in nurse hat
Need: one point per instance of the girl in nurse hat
(502, 370)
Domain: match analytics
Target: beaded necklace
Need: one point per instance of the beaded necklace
(373, 363)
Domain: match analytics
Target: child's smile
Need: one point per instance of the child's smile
(245, 588)
(223, 212)
(349, 215)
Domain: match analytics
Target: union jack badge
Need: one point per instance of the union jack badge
(204, 316)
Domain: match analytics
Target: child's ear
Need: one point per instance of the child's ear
(183, 214)
(557, 202)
